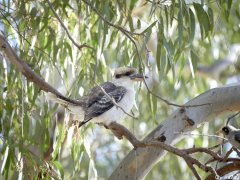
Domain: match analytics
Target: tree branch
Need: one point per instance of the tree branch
(27, 71)
(225, 170)
(121, 131)
(222, 100)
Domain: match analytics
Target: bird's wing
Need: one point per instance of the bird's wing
(237, 137)
(96, 93)
(104, 103)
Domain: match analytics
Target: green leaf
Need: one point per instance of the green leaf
(195, 60)
(69, 48)
(180, 25)
(192, 26)
(172, 12)
(138, 24)
(182, 63)
(159, 45)
(149, 27)
(168, 64)
(167, 16)
(177, 55)
(211, 19)
(33, 12)
(164, 63)
(168, 46)
(148, 36)
(59, 167)
(229, 5)
(92, 172)
(26, 124)
(105, 32)
(55, 52)
(154, 105)
(130, 22)
(153, 8)
(60, 139)
(149, 101)
(203, 19)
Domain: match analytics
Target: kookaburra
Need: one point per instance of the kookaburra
(97, 106)
(233, 135)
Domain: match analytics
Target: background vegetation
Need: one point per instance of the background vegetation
(185, 47)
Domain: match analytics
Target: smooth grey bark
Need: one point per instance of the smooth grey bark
(138, 163)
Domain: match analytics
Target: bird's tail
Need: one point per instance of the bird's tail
(81, 123)
(53, 97)
(74, 106)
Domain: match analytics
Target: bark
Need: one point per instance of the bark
(138, 163)
(229, 168)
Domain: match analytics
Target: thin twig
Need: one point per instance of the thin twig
(66, 29)
(228, 168)
(124, 31)
(216, 146)
(190, 165)
(205, 150)
(231, 117)
(208, 135)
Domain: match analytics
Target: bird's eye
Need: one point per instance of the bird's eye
(128, 73)
(225, 129)
(117, 76)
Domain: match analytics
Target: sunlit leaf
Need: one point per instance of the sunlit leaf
(138, 24)
(159, 45)
(192, 26)
(60, 139)
(180, 25)
(149, 27)
(59, 167)
(202, 18)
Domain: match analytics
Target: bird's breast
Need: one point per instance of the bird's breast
(115, 113)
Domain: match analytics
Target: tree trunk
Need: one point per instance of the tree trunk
(138, 163)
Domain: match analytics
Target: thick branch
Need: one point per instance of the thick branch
(27, 71)
(121, 131)
(225, 170)
(23, 67)
(221, 100)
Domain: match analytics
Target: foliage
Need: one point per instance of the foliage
(180, 35)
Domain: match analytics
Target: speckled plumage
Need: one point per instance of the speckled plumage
(97, 107)
(233, 135)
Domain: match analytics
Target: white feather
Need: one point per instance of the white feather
(113, 114)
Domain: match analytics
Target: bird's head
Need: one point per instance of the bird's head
(227, 129)
(128, 73)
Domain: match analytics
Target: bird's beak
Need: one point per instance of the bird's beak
(220, 131)
(137, 77)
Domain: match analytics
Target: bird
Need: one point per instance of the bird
(233, 135)
(99, 105)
